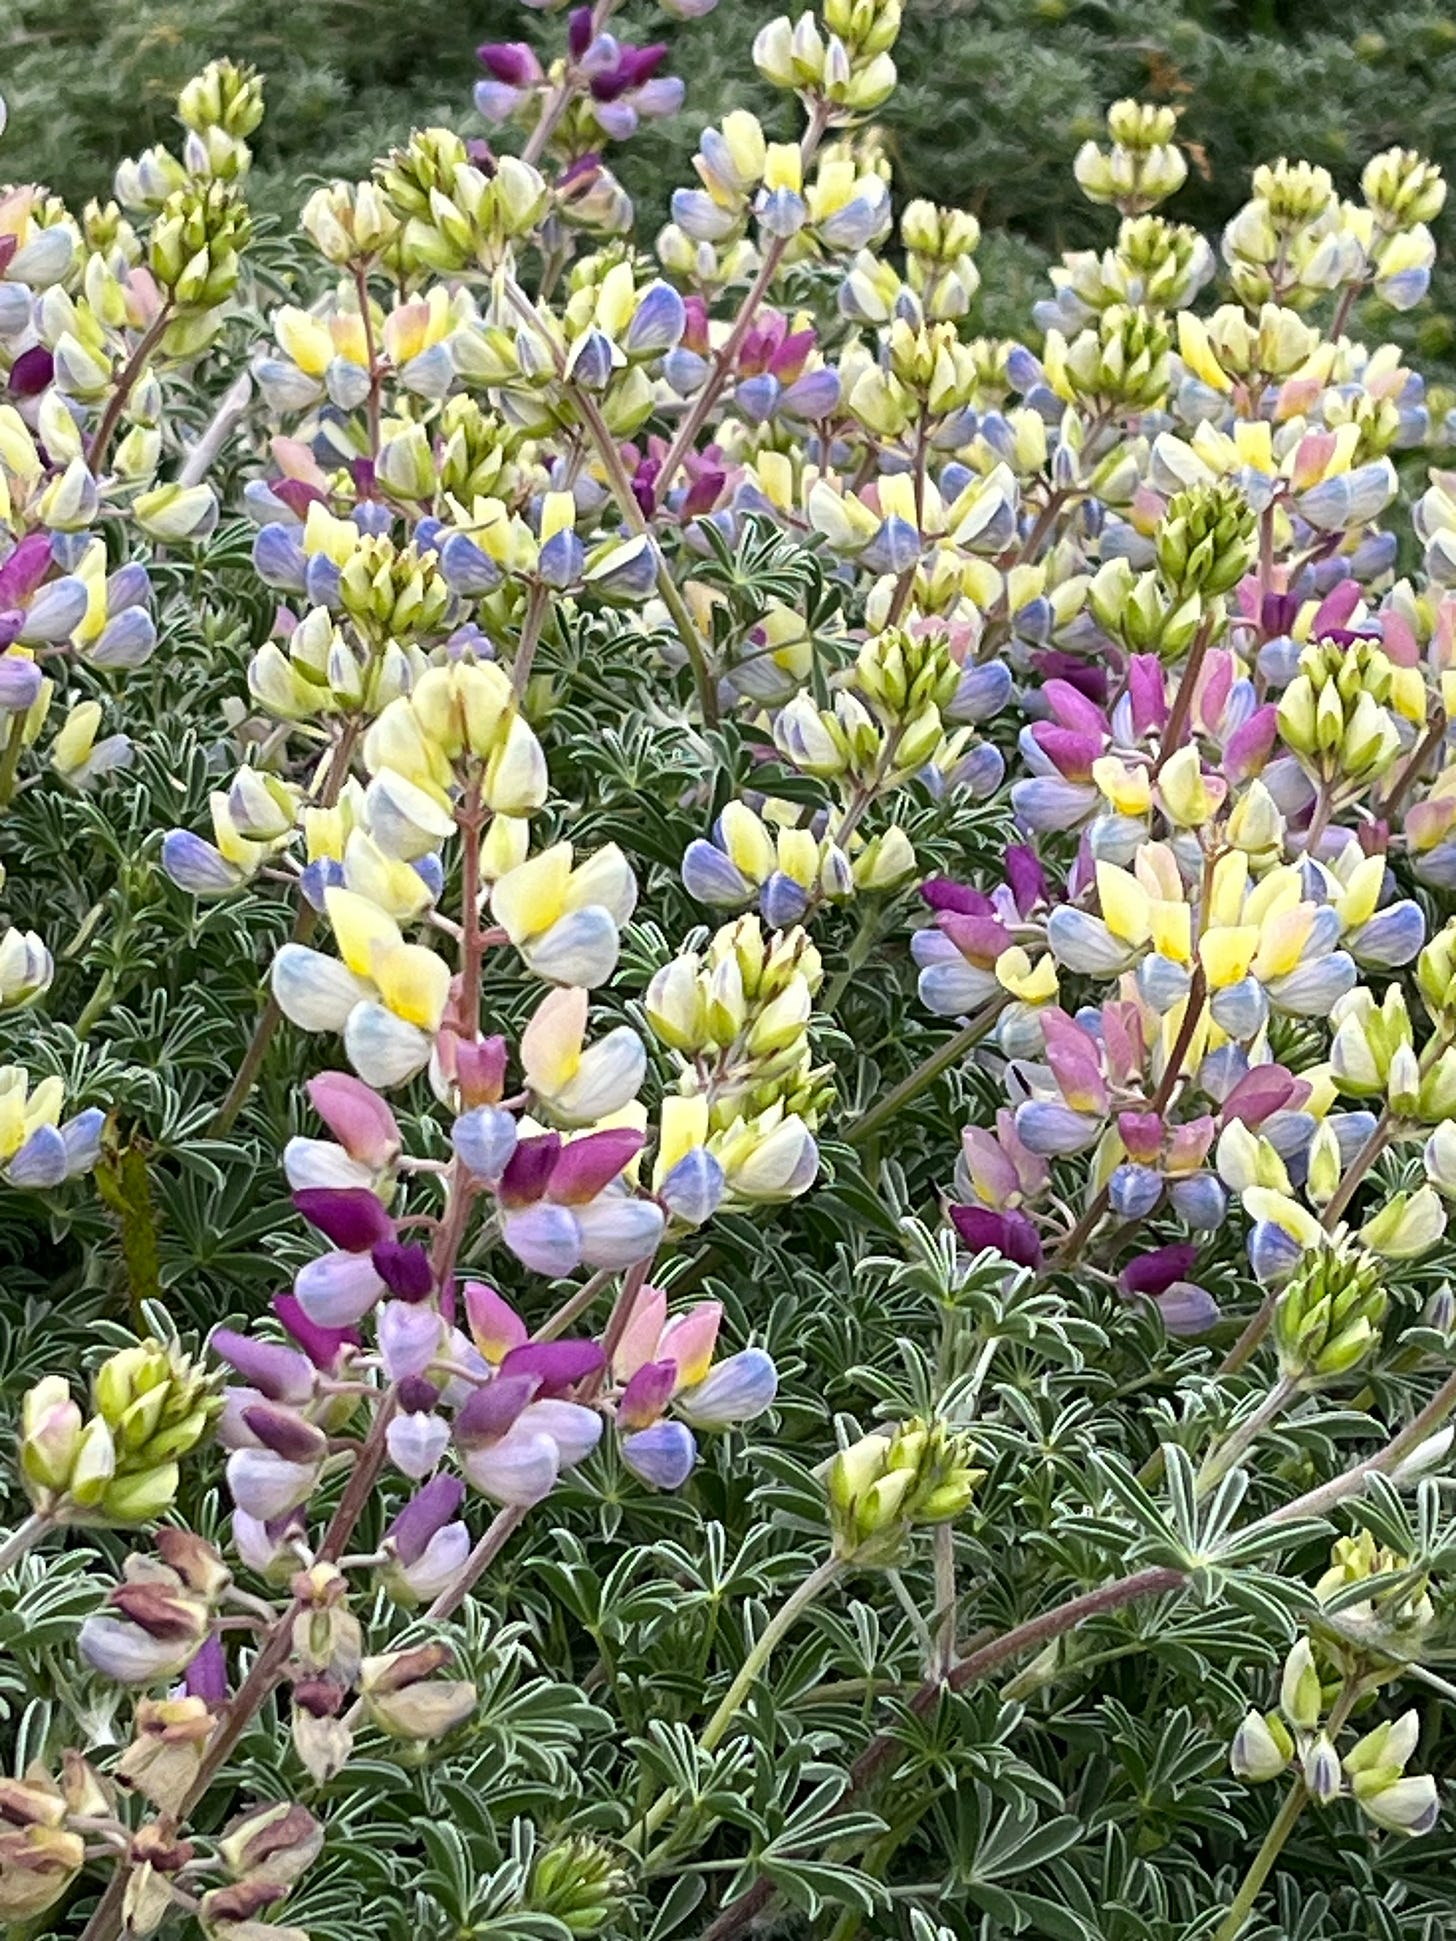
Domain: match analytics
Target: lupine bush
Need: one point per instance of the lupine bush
(731, 1037)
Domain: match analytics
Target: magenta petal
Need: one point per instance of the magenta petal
(589, 1164)
(1250, 745)
(647, 1394)
(942, 894)
(1076, 1065)
(553, 1365)
(493, 1322)
(286, 1433)
(206, 1677)
(529, 1169)
(1072, 752)
(24, 569)
(1089, 680)
(32, 371)
(1073, 710)
(511, 61)
(350, 1216)
(282, 1374)
(404, 1268)
(1260, 1092)
(356, 1115)
(323, 1346)
(1147, 692)
(1155, 1273)
(426, 1513)
(1009, 1234)
(702, 494)
(980, 940)
(491, 1410)
(1142, 1134)
(1335, 609)
(1026, 878)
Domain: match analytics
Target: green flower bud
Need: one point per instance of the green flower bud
(1403, 188)
(1301, 1698)
(884, 1486)
(1327, 1319)
(1205, 542)
(579, 1882)
(393, 592)
(349, 222)
(223, 96)
(154, 1406)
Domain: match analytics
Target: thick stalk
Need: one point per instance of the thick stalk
(925, 1073)
(885, 1749)
(1172, 736)
(125, 385)
(731, 1703)
(1429, 743)
(572, 1310)
(1223, 1455)
(537, 606)
(1284, 1823)
(633, 1283)
(1263, 1861)
(723, 364)
(24, 1537)
(502, 1526)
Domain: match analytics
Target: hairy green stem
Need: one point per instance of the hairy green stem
(886, 1749)
(1263, 1861)
(24, 1537)
(731, 1703)
(868, 1123)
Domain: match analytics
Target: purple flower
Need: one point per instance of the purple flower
(32, 372)
(350, 1216)
(281, 1374)
(404, 1268)
(426, 1513)
(510, 61)
(554, 1366)
(323, 1345)
(206, 1677)
(646, 1394)
(1010, 1234)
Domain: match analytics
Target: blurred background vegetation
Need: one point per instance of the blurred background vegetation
(996, 95)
